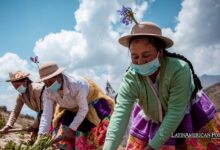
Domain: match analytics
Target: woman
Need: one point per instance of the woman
(29, 94)
(165, 88)
(82, 109)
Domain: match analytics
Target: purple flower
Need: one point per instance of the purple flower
(127, 15)
(35, 60)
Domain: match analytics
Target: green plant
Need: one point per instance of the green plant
(11, 145)
(43, 143)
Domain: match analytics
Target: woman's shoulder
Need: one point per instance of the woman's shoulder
(130, 85)
(176, 64)
(73, 78)
(131, 80)
(37, 89)
(74, 82)
(37, 86)
(130, 75)
(174, 67)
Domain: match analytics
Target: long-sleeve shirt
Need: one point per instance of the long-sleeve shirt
(75, 92)
(175, 90)
(31, 99)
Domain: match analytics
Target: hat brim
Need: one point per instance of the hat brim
(124, 40)
(12, 80)
(60, 70)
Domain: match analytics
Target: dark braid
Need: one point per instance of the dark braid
(198, 85)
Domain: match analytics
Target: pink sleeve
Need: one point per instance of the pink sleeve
(81, 100)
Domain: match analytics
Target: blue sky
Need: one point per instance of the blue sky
(163, 12)
(23, 22)
(81, 36)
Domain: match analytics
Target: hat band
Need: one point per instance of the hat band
(48, 71)
(142, 29)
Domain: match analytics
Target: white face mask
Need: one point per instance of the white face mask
(54, 87)
(21, 89)
(147, 69)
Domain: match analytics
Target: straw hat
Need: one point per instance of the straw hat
(145, 29)
(49, 70)
(17, 76)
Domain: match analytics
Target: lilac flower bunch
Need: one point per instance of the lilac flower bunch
(127, 15)
(35, 60)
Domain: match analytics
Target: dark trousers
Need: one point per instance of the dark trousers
(68, 117)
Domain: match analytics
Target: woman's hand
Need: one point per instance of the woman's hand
(68, 134)
(31, 129)
(5, 129)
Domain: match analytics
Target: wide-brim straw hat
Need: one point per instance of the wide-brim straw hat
(49, 70)
(145, 29)
(18, 75)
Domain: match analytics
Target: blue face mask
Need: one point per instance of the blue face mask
(148, 68)
(21, 89)
(54, 87)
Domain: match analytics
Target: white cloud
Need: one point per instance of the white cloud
(92, 48)
(8, 99)
(199, 20)
(66, 48)
(207, 59)
(11, 62)
(196, 35)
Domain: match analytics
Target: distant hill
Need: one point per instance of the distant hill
(214, 94)
(209, 80)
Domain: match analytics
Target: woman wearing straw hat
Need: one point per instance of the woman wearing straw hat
(29, 94)
(169, 97)
(82, 109)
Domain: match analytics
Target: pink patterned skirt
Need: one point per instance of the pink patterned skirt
(88, 136)
(202, 119)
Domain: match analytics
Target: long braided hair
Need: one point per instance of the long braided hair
(160, 45)
(197, 82)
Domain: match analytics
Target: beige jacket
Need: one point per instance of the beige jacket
(31, 99)
(95, 93)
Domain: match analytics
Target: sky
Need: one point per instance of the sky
(82, 36)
